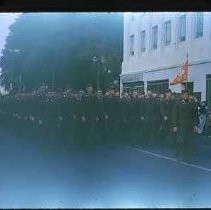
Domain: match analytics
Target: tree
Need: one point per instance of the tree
(57, 49)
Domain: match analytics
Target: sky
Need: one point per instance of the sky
(6, 19)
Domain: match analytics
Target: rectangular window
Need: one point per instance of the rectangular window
(158, 86)
(132, 17)
(182, 28)
(154, 37)
(143, 41)
(167, 32)
(199, 25)
(132, 45)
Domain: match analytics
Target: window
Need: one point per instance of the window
(182, 28)
(132, 45)
(158, 86)
(143, 41)
(188, 86)
(167, 32)
(199, 25)
(132, 17)
(154, 37)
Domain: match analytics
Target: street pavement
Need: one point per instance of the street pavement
(101, 177)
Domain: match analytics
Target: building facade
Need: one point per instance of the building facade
(156, 45)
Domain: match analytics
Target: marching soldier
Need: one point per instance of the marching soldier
(109, 119)
(150, 117)
(186, 125)
(123, 112)
(209, 125)
(142, 120)
(89, 119)
(99, 115)
(167, 106)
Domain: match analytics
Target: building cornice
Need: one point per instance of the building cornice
(169, 67)
(176, 66)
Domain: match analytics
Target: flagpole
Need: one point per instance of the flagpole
(187, 77)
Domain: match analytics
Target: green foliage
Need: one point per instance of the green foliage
(57, 49)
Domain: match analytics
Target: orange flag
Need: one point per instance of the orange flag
(184, 72)
(176, 80)
(182, 76)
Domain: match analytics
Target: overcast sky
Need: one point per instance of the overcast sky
(6, 19)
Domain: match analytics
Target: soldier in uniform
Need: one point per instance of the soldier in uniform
(209, 125)
(107, 134)
(147, 117)
(89, 105)
(167, 106)
(151, 117)
(163, 126)
(76, 118)
(194, 121)
(81, 112)
(186, 124)
(99, 118)
(141, 120)
(155, 119)
(70, 119)
(117, 117)
(109, 117)
(95, 118)
(135, 117)
(123, 110)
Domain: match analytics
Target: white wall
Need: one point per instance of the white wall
(166, 61)
(164, 56)
(197, 74)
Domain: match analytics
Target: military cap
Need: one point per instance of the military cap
(154, 95)
(184, 91)
(161, 95)
(107, 93)
(116, 93)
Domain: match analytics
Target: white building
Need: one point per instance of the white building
(156, 46)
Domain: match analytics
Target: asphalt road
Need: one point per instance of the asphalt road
(32, 177)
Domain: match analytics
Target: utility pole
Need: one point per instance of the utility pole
(20, 81)
(52, 79)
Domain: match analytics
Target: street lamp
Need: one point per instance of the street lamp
(14, 50)
(20, 76)
(102, 60)
(95, 61)
(104, 70)
(115, 82)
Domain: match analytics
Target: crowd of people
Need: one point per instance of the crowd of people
(89, 118)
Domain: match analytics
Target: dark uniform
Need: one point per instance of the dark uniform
(186, 121)
(151, 119)
(141, 121)
(167, 107)
(209, 125)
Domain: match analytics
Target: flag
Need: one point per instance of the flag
(184, 72)
(176, 80)
(182, 76)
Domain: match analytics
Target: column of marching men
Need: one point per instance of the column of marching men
(88, 118)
